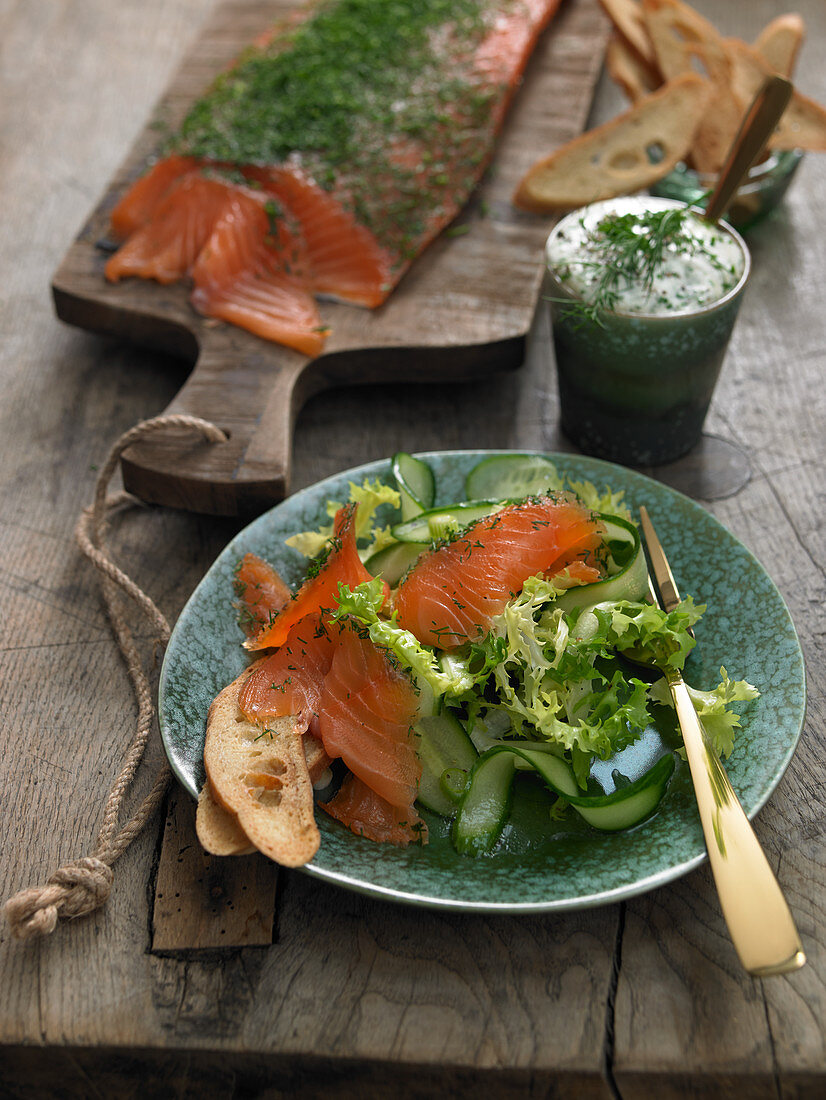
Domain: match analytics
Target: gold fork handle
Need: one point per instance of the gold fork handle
(758, 918)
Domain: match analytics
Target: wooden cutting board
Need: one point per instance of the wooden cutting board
(462, 311)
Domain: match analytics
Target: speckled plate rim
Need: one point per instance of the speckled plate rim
(581, 467)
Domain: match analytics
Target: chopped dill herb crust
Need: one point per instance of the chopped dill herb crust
(382, 102)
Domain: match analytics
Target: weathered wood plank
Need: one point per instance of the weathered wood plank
(207, 902)
(191, 1074)
(447, 989)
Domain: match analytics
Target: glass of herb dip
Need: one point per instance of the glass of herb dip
(643, 296)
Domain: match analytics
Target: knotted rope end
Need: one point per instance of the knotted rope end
(77, 888)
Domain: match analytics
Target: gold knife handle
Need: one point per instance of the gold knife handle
(758, 918)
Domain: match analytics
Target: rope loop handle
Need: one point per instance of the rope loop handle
(83, 885)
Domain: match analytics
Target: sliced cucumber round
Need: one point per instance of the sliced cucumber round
(416, 484)
(446, 756)
(511, 476)
(393, 562)
(438, 523)
(629, 582)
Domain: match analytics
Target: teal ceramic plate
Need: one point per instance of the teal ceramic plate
(541, 865)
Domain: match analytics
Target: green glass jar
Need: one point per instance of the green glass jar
(762, 190)
(635, 387)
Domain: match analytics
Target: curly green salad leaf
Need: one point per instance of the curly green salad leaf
(363, 604)
(645, 632)
(542, 673)
(370, 536)
(562, 687)
(718, 721)
(610, 502)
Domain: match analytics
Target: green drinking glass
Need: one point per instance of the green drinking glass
(636, 379)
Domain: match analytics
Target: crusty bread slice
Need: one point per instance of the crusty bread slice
(629, 22)
(615, 159)
(217, 829)
(779, 42)
(633, 74)
(683, 40)
(803, 125)
(261, 776)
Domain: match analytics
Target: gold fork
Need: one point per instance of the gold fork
(760, 924)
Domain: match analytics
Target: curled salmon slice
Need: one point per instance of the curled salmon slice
(291, 680)
(139, 203)
(366, 713)
(260, 592)
(345, 259)
(451, 594)
(251, 272)
(166, 246)
(340, 565)
(367, 814)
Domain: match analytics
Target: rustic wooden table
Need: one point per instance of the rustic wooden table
(324, 992)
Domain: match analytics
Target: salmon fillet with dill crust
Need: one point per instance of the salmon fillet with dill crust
(369, 123)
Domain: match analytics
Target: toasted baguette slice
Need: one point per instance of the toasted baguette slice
(803, 125)
(217, 829)
(779, 42)
(629, 23)
(625, 67)
(615, 159)
(684, 40)
(262, 777)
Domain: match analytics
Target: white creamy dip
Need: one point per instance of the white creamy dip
(592, 254)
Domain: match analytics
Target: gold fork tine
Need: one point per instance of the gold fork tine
(669, 594)
(760, 924)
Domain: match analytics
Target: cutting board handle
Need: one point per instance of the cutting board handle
(251, 391)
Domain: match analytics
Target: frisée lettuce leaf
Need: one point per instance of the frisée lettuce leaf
(719, 722)
(363, 604)
(370, 536)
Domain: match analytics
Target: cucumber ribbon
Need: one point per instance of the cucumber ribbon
(486, 801)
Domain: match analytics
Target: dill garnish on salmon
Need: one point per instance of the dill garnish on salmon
(368, 124)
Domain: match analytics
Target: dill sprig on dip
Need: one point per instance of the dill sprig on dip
(628, 251)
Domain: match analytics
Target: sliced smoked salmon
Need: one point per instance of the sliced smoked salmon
(291, 680)
(366, 814)
(138, 204)
(252, 272)
(575, 573)
(345, 260)
(451, 593)
(350, 694)
(260, 592)
(375, 147)
(366, 712)
(340, 564)
(166, 246)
